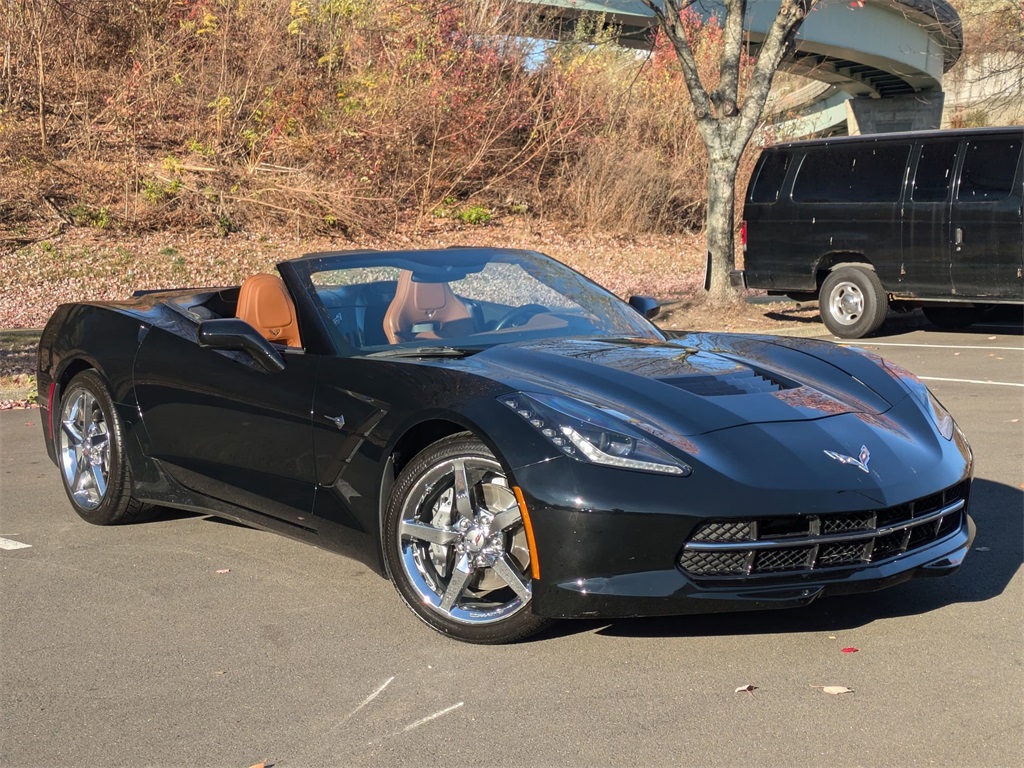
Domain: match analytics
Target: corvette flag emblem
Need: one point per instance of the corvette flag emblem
(861, 463)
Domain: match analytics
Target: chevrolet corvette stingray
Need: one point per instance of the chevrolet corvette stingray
(506, 441)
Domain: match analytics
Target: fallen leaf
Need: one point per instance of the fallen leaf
(834, 690)
(851, 649)
(259, 765)
(831, 637)
(28, 424)
(747, 688)
(224, 570)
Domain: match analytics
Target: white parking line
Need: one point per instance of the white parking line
(434, 716)
(371, 697)
(12, 544)
(928, 346)
(972, 381)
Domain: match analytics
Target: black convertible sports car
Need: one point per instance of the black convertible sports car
(506, 440)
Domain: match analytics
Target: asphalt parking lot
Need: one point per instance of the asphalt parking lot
(193, 642)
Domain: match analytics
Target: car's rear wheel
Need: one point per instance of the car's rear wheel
(952, 318)
(456, 546)
(852, 302)
(90, 453)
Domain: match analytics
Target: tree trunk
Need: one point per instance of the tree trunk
(720, 224)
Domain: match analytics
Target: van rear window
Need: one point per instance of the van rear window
(853, 174)
(770, 175)
(989, 168)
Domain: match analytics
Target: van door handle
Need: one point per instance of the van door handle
(958, 237)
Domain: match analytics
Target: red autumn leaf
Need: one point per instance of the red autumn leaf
(851, 649)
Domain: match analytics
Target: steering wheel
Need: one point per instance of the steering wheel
(520, 316)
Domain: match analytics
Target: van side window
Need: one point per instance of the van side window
(770, 176)
(989, 168)
(855, 174)
(934, 172)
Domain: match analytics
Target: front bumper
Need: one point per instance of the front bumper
(669, 592)
(622, 559)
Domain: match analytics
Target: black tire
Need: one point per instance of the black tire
(90, 454)
(455, 545)
(952, 318)
(852, 302)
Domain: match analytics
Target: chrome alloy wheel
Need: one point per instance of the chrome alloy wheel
(846, 302)
(84, 448)
(462, 542)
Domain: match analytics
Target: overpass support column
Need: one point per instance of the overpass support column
(910, 112)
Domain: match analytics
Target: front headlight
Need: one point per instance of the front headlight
(943, 420)
(589, 434)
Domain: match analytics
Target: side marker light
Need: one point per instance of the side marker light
(530, 541)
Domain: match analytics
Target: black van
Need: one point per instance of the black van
(928, 219)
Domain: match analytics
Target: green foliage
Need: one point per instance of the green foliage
(474, 214)
(159, 190)
(83, 215)
(224, 226)
(468, 214)
(199, 148)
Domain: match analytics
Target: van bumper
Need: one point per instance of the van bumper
(737, 278)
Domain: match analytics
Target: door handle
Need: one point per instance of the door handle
(958, 237)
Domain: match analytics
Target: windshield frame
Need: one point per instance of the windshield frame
(456, 263)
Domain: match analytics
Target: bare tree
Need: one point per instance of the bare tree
(986, 85)
(726, 118)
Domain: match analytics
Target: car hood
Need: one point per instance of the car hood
(699, 383)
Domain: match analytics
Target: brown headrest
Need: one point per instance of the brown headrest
(264, 303)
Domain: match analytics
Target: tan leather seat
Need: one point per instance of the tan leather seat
(425, 311)
(264, 303)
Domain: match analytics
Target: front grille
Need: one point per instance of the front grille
(729, 530)
(800, 544)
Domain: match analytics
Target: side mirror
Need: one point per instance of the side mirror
(231, 333)
(645, 305)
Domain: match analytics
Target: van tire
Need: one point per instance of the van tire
(852, 302)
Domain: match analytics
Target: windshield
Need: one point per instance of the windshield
(461, 298)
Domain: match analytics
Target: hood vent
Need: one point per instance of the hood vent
(741, 382)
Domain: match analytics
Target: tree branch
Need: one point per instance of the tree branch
(670, 19)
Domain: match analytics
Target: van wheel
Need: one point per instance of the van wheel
(952, 318)
(852, 302)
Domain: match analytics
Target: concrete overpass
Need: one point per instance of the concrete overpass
(882, 64)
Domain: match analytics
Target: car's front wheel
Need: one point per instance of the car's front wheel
(456, 546)
(90, 445)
